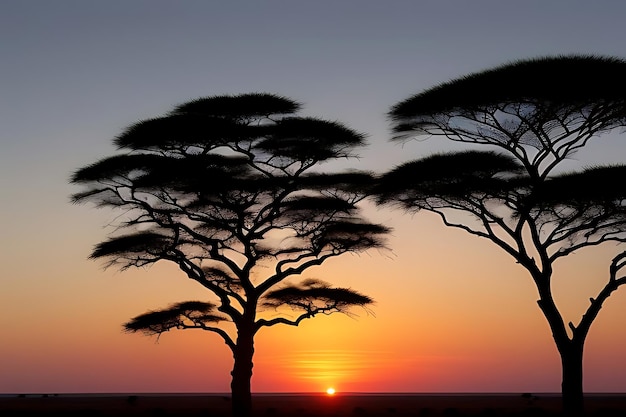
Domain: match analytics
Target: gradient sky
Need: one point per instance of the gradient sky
(452, 313)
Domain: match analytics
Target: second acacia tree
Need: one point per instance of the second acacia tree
(531, 117)
(229, 189)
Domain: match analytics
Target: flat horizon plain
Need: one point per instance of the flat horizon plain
(306, 404)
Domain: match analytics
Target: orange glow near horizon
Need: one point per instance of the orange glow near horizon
(330, 391)
(451, 314)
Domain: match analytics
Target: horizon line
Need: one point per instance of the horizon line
(302, 393)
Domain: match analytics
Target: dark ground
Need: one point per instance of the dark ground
(340, 405)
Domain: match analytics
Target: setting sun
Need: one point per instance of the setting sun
(330, 391)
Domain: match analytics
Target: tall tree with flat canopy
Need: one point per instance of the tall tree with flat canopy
(531, 116)
(229, 189)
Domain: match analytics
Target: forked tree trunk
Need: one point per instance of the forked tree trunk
(571, 352)
(572, 383)
(242, 373)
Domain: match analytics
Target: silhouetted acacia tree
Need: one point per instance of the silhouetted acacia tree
(228, 189)
(532, 115)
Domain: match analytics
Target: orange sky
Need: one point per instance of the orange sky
(452, 313)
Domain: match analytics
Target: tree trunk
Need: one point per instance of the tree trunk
(571, 351)
(242, 373)
(572, 383)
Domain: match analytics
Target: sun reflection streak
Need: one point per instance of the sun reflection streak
(332, 366)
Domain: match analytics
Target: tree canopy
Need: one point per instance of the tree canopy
(541, 110)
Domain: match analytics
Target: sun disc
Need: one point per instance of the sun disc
(330, 391)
